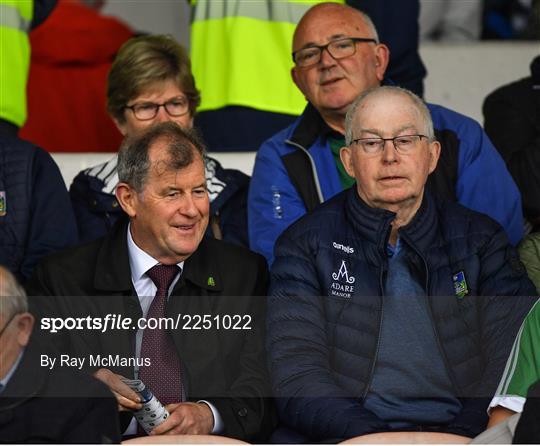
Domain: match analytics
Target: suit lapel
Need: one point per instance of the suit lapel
(112, 270)
(113, 280)
(195, 295)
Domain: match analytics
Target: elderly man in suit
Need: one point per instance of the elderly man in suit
(208, 368)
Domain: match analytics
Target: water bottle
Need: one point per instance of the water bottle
(152, 413)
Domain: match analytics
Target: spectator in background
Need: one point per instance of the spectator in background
(450, 20)
(338, 56)
(529, 252)
(511, 19)
(38, 405)
(241, 60)
(517, 392)
(36, 217)
(528, 428)
(396, 22)
(512, 121)
(149, 82)
(71, 56)
(391, 310)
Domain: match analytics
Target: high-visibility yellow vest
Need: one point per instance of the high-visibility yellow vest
(15, 21)
(241, 53)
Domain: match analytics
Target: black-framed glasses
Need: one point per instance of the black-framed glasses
(338, 49)
(403, 144)
(6, 325)
(144, 111)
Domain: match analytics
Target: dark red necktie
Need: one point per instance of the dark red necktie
(163, 376)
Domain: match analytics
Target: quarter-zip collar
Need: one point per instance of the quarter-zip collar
(373, 224)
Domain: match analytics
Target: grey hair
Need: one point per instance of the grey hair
(370, 25)
(133, 161)
(419, 105)
(12, 296)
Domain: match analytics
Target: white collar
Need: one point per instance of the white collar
(139, 260)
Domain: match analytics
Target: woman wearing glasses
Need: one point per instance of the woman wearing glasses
(150, 82)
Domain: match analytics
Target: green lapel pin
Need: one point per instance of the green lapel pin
(211, 281)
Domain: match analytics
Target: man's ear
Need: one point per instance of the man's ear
(25, 323)
(434, 154)
(294, 76)
(121, 126)
(127, 197)
(345, 153)
(382, 57)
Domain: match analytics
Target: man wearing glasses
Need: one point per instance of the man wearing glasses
(150, 82)
(390, 313)
(337, 56)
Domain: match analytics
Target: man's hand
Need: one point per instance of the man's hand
(126, 398)
(186, 418)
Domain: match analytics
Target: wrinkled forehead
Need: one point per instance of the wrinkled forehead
(324, 24)
(388, 112)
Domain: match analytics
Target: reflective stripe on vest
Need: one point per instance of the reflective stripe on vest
(241, 53)
(15, 22)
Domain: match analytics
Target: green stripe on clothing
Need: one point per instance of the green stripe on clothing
(523, 366)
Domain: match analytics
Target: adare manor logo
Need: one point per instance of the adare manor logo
(342, 286)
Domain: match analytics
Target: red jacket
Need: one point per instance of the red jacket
(72, 53)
